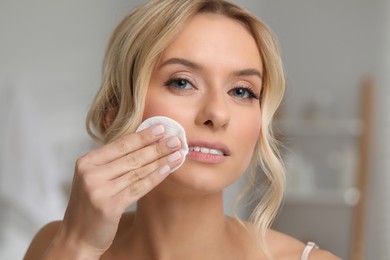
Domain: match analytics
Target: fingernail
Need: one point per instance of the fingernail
(158, 130)
(174, 156)
(164, 170)
(173, 142)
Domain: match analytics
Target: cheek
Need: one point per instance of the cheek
(155, 105)
(158, 103)
(251, 126)
(150, 110)
(249, 135)
(254, 132)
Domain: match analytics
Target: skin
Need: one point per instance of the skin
(201, 81)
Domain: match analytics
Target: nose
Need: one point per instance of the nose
(214, 111)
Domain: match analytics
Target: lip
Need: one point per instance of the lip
(208, 158)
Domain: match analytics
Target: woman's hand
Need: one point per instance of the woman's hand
(110, 179)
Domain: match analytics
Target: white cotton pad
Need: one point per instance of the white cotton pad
(172, 128)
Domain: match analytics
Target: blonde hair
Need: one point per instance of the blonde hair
(131, 56)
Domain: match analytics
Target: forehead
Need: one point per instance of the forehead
(212, 37)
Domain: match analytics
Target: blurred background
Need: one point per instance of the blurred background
(334, 120)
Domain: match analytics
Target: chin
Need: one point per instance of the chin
(205, 179)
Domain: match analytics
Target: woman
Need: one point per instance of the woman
(216, 70)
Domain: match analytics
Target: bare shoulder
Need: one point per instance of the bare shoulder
(283, 246)
(42, 241)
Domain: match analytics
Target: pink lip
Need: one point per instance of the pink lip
(208, 158)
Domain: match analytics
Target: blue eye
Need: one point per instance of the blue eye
(178, 83)
(243, 93)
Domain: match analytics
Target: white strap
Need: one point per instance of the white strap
(309, 246)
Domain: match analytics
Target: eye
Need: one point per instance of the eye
(179, 83)
(243, 93)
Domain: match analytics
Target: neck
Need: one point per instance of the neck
(189, 222)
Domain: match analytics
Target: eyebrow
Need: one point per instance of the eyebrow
(248, 72)
(192, 65)
(181, 61)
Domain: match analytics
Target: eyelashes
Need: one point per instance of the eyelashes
(183, 84)
(243, 92)
(179, 83)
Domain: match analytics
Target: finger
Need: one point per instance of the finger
(137, 190)
(125, 145)
(161, 166)
(141, 157)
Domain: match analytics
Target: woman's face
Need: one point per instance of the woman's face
(209, 80)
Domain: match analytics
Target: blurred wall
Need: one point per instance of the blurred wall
(378, 217)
